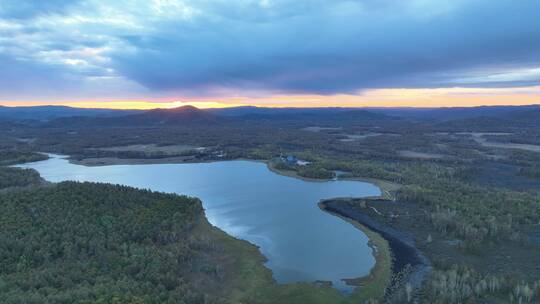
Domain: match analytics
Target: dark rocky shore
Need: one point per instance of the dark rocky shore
(401, 244)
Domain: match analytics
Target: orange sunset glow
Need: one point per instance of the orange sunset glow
(428, 98)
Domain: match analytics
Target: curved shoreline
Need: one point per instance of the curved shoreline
(402, 244)
(373, 285)
(380, 267)
(386, 187)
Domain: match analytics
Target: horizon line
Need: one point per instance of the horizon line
(67, 105)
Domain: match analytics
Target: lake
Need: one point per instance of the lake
(245, 199)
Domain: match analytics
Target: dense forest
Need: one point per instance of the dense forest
(15, 177)
(92, 243)
(11, 157)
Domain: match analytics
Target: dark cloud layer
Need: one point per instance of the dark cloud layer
(315, 47)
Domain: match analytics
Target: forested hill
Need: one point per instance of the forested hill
(15, 177)
(97, 243)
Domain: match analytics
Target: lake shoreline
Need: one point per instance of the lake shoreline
(382, 251)
(402, 244)
(386, 187)
(114, 161)
(373, 285)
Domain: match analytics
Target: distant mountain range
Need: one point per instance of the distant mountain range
(156, 117)
(438, 114)
(192, 115)
(61, 116)
(45, 113)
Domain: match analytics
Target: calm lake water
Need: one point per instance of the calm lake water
(245, 199)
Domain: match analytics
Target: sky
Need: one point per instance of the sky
(304, 53)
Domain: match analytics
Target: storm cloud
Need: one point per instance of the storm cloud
(199, 48)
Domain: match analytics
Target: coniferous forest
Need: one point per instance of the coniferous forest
(96, 243)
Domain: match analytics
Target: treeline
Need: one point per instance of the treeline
(469, 212)
(314, 170)
(96, 243)
(531, 171)
(463, 285)
(96, 153)
(364, 168)
(16, 177)
(11, 157)
(348, 167)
